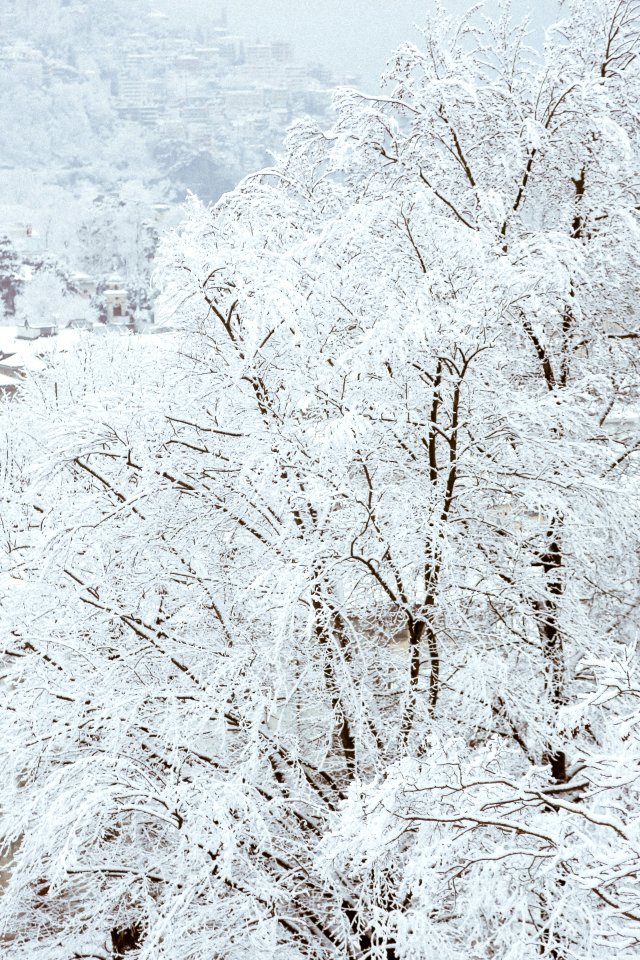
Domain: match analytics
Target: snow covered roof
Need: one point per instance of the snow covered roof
(12, 361)
(24, 359)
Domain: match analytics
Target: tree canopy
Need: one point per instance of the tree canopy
(321, 617)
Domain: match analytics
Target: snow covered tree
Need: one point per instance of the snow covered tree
(321, 621)
(10, 278)
(47, 300)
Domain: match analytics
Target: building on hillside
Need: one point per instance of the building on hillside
(116, 301)
(232, 49)
(25, 238)
(84, 284)
(282, 52)
(258, 54)
(30, 332)
(245, 101)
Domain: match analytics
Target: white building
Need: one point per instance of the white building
(116, 301)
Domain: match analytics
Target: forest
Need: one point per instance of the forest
(321, 614)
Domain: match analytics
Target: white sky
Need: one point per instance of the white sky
(350, 36)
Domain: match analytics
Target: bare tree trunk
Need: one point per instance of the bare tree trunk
(324, 618)
(552, 639)
(125, 940)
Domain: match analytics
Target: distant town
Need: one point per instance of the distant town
(192, 111)
(220, 87)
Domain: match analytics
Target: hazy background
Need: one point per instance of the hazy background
(350, 36)
(112, 111)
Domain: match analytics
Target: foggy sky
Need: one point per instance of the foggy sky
(350, 36)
